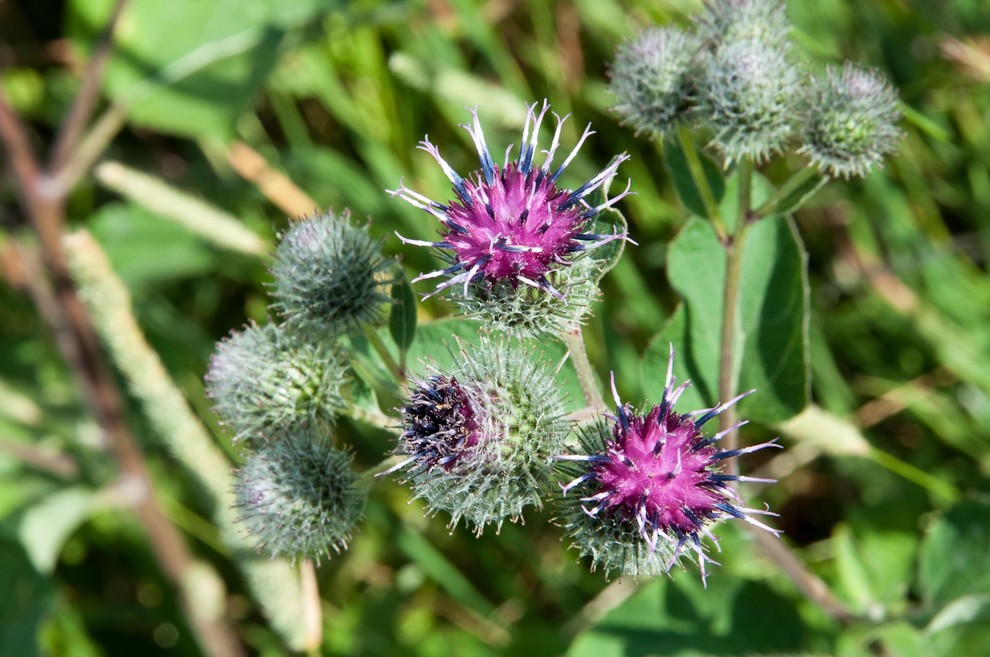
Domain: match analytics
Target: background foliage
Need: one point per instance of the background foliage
(884, 483)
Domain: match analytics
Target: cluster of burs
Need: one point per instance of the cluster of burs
(489, 435)
(279, 387)
(737, 76)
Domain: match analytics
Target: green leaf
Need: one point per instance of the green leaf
(145, 250)
(955, 555)
(771, 341)
(402, 318)
(190, 66)
(729, 618)
(46, 525)
(687, 190)
(26, 600)
(962, 627)
(874, 565)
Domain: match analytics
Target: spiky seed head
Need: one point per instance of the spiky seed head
(479, 439)
(652, 79)
(511, 233)
(648, 487)
(751, 98)
(265, 378)
(726, 21)
(852, 121)
(330, 275)
(298, 496)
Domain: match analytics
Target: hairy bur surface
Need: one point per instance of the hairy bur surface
(480, 439)
(330, 276)
(266, 378)
(297, 496)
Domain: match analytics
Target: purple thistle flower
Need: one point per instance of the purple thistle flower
(512, 223)
(479, 440)
(439, 425)
(653, 486)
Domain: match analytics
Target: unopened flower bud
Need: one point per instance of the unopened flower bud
(651, 79)
(480, 439)
(298, 497)
(852, 122)
(726, 21)
(330, 275)
(265, 378)
(751, 97)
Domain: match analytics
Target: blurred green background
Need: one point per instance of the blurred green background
(883, 490)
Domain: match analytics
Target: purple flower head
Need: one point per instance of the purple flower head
(480, 437)
(512, 223)
(439, 425)
(653, 486)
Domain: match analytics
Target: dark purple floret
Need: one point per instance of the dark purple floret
(659, 473)
(439, 426)
(512, 222)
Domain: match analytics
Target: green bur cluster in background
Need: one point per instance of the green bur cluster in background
(879, 286)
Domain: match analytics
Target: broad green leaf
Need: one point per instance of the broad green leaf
(191, 66)
(684, 183)
(955, 555)
(145, 250)
(45, 526)
(771, 339)
(874, 566)
(27, 598)
(402, 318)
(654, 364)
(669, 617)
(962, 627)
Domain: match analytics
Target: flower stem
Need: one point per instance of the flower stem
(586, 375)
(311, 606)
(701, 181)
(727, 373)
(792, 184)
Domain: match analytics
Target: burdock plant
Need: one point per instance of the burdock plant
(484, 438)
(513, 236)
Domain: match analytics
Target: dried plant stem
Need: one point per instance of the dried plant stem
(574, 340)
(211, 223)
(274, 583)
(82, 105)
(312, 612)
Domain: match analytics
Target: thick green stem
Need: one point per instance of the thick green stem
(586, 375)
(701, 181)
(727, 374)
